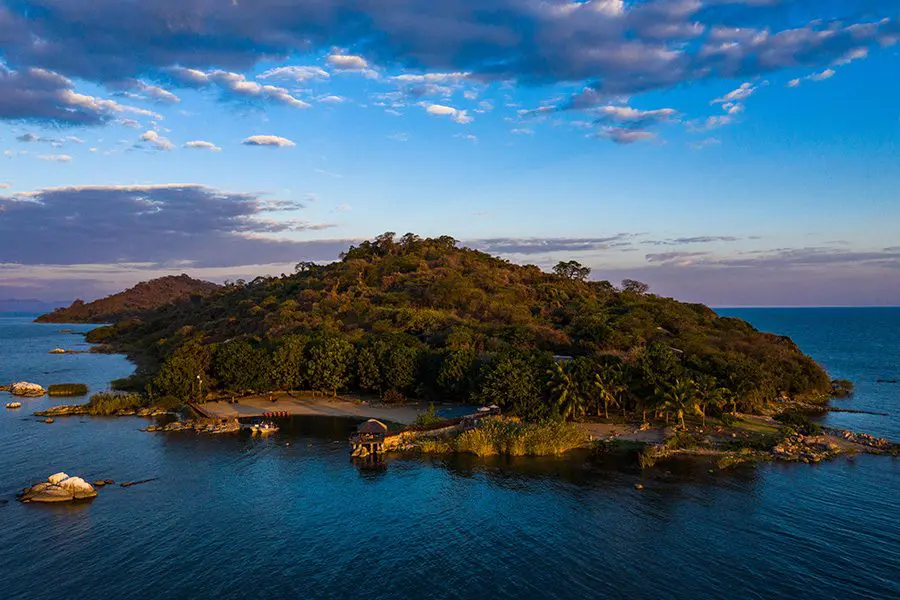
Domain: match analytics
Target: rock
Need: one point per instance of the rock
(639, 486)
(55, 479)
(13, 405)
(108, 481)
(49, 420)
(59, 488)
(57, 351)
(65, 410)
(29, 390)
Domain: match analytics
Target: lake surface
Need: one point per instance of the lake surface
(292, 517)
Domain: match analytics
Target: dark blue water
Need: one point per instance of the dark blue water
(291, 517)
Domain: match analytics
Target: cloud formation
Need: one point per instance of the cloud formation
(187, 224)
(615, 48)
(202, 145)
(268, 140)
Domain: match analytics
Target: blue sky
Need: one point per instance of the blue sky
(734, 152)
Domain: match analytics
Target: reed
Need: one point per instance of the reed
(67, 389)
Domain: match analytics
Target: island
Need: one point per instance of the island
(569, 361)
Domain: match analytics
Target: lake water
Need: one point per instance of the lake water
(292, 517)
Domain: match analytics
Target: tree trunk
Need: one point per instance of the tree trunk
(605, 409)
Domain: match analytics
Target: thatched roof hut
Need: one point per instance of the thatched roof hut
(372, 426)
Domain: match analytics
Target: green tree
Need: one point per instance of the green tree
(287, 362)
(185, 372)
(511, 383)
(679, 397)
(571, 269)
(328, 366)
(456, 375)
(565, 392)
(238, 365)
(367, 370)
(400, 366)
(611, 387)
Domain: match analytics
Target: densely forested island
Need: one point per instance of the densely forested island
(426, 319)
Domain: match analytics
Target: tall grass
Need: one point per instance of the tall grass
(67, 389)
(514, 438)
(107, 403)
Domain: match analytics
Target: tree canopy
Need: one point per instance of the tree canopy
(425, 318)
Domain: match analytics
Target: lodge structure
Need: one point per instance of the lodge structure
(368, 439)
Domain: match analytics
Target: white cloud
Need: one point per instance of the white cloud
(622, 135)
(347, 62)
(739, 95)
(201, 145)
(522, 131)
(441, 110)
(431, 77)
(238, 85)
(268, 140)
(331, 99)
(295, 73)
(56, 157)
(158, 141)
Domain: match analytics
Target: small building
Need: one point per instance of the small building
(369, 438)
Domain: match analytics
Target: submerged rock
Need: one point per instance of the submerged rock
(27, 389)
(59, 488)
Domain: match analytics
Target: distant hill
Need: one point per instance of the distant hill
(29, 305)
(145, 296)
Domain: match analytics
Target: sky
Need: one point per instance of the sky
(731, 152)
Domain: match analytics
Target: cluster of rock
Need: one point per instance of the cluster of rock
(807, 449)
(25, 389)
(200, 426)
(13, 405)
(59, 488)
(68, 410)
(870, 441)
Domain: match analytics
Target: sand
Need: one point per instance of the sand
(256, 406)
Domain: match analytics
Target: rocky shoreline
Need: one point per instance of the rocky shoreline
(209, 426)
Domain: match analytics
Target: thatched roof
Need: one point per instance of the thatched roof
(372, 426)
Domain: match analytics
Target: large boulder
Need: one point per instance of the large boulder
(59, 488)
(24, 388)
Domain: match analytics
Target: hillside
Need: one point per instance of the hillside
(145, 296)
(423, 318)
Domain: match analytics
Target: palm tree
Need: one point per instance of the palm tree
(564, 391)
(610, 386)
(680, 397)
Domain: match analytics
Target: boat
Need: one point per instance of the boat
(264, 428)
(13, 405)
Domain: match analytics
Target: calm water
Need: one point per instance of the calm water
(291, 517)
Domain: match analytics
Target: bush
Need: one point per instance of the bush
(799, 422)
(167, 403)
(67, 389)
(428, 419)
(841, 388)
(393, 397)
(107, 403)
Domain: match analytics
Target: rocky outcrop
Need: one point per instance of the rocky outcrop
(13, 405)
(200, 426)
(26, 389)
(57, 351)
(59, 488)
(66, 410)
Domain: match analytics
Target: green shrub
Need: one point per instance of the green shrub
(728, 419)
(841, 388)
(107, 403)
(67, 389)
(167, 403)
(428, 419)
(799, 421)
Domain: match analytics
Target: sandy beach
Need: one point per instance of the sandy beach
(255, 406)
